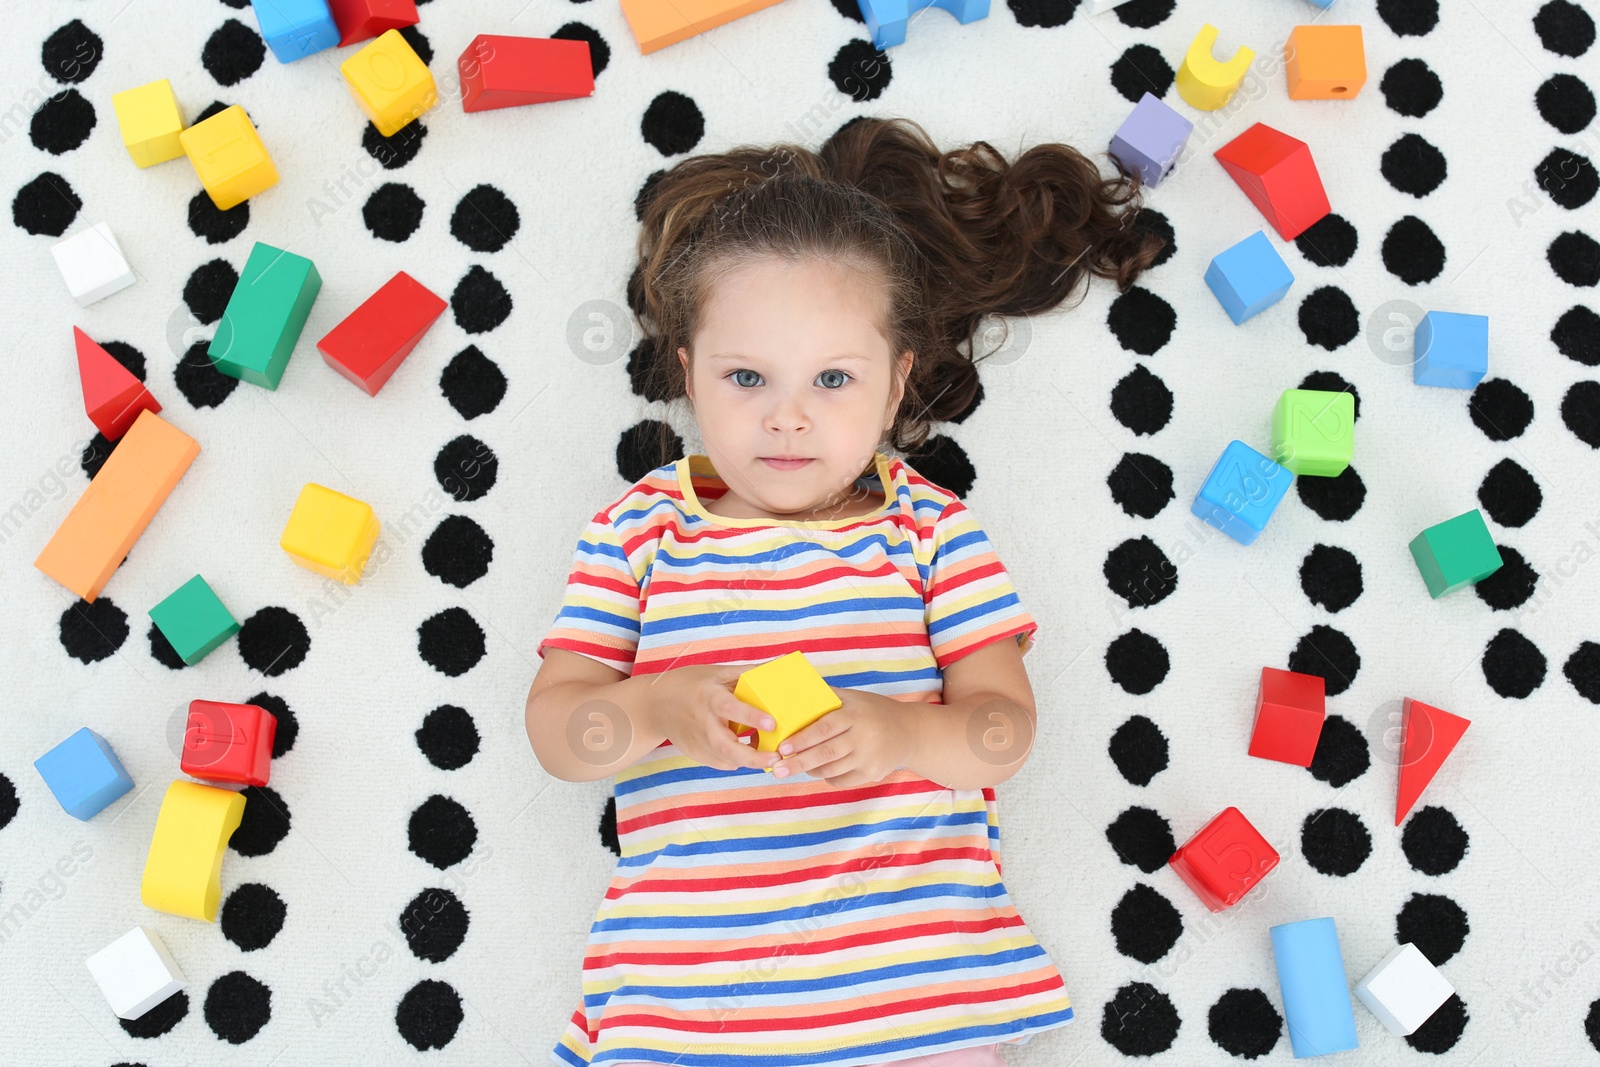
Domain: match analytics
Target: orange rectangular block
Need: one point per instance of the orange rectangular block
(120, 502)
(658, 23)
(1324, 62)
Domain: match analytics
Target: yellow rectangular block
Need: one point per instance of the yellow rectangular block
(183, 870)
(791, 691)
(150, 120)
(390, 82)
(658, 23)
(108, 518)
(330, 533)
(229, 157)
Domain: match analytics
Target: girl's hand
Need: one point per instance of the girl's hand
(867, 738)
(692, 708)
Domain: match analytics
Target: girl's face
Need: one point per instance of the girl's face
(789, 363)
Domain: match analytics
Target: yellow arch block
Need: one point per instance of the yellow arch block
(183, 872)
(1204, 83)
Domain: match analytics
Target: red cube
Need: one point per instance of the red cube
(498, 71)
(359, 19)
(228, 742)
(375, 338)
(1290, 710)
(1224, 860)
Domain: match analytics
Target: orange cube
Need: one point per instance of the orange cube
(1325, 62)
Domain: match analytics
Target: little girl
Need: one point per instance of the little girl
(837, 902)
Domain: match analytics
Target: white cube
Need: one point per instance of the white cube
(1404, 990)
(91, 261)
(135, 972)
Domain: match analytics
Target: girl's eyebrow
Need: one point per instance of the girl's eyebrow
(730, 356)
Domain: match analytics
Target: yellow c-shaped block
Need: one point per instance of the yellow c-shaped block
(183, 872)
(1204, 83)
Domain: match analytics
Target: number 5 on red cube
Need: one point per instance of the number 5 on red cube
(1224, 860)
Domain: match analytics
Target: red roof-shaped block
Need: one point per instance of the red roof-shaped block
(375, 338)
(112, 395)
(499, 71)
(1277, 173)
(1430, 735)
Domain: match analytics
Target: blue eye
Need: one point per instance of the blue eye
(735, 377)
(840, 374)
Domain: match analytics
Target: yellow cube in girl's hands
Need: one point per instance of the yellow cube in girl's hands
(791, 691)
(150, 120)
(229, 157)
(390, 82)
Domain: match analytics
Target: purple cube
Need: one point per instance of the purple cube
(1151, 139)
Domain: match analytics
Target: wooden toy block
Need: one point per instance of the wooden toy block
(84, 774)
(498, 71)
(1429, 735)
(791, 691)
(112, 395)
(1224, 860)
(92, 264)
(1324, 62)
(229, 158)
(229, 742)
(330, 533)
(135, 972)
(1241, 492)
(1450, 349)
(1248, 277)
(150, 120)
(359, 20)
(193, 620)
(264, 316)
(390, 82)
(1313, 431)
(373, 340)
(1324, 4)
(1279, 176)
(656, 25)
(117, 506)
(183, 870)
(1151, 139)
(1290, 710)
(1455, 553)
(294, 29)
(1316, 999)
(1205, 83)
(1404, 990)
(887, 19)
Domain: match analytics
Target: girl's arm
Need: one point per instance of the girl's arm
(588, 721)
(983, 732)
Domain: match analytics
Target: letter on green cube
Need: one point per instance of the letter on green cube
(1455, 553)
(265, 315)
(193, 620)
(1313, 431)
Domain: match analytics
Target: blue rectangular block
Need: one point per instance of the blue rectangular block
(1241, 492)
(84, 774)
(1316, 997)
(1151, 139)
(1450, 350)
(1249, 277)
(294, 29)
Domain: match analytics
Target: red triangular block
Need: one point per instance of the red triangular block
(1430, 735)
(112, 396)
(1277, 173)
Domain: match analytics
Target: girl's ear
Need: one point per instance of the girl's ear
(902, 371)
(688, 384)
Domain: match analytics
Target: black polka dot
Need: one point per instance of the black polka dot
(1500, 409)
(1411, 252)
(857, 70)
(1513, 665)
(1330, 655)
(849, 9)
(1414, 166)
(1140, 1020)
(1509, 494)
(273, 640)
(1139, 749)
(46, 205)
(288, 724)
(1331, 577)
(1141, 321)
(1329, 382)
(159, 1019)
(72, 53)
(1564, 28)
(1141, 401)
(94, 455)
(646, 193)
(419, 43)
(1565, 102)
(1142, 838)
(393, 212)
(1583, 671)
(198, 378)
(448, 737)
(1145, 925)
(395, 151)
(93, 632)
(1141, 484)
(265, 822)
(1244, 1023)
(8, 801)
(451, 642)
(480, 302)
(599, 50)
(1411, 88)
(1409, 18)
(1342, 755)
(216, 107)
(1040, 13)
(644, 446)
(1149, 220)
(1435, 924)
(458, 551)
(1433, 841)
(434, 923)
(215, 226)
(943, 461)
(1512, 585)
(644, 376)
(252, 916)
(62, 122)
(1575, 257)
(1580, 410)
(162, 652)
(1329, 318)
(608, 827)
(232, 53)
(1137, 662)
(237, 1007)
(442, 832)
(473, 383)
(1144, 14)
(429, 1014)
(1328, 242)
(1335, 841)
(1443, 1029)
(485, 220)
(1140, 573)
(466, 468)
(672, 124)
(208, 289)
(1568, 178)
(1139, 70)
(127, 355)
(1576, 335)
(1335, 499)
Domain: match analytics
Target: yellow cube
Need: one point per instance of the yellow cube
(229, 157)
(150, 120)
(330, 533)
(183, 871)
(791, 691)
(390, 82)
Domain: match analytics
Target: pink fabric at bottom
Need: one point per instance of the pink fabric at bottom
(975, 1056)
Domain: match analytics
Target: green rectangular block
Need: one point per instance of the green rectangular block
(265, 315)
(193, 620)
(1455, 553)
(1313, 431)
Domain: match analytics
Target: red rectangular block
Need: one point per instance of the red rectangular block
(228, 742)
(500, 71)
(375, 338)
(1224, 860)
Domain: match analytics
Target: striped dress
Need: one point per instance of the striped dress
(755, 921)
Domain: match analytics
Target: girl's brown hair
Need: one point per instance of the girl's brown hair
(951, 237)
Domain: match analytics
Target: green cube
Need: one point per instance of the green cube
(264, 316)
(1314, 431)
(1455, 553)
(193, 620)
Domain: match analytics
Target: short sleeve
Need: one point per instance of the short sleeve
(599, 614)
(969, 598)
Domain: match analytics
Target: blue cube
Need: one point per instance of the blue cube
(84, 774)
(294, 29)
(1151, 139)
(1241, 492)
(1249, 277)
(1316, 998)
(1451, 350)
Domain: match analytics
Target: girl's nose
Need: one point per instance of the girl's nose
(788, 415)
